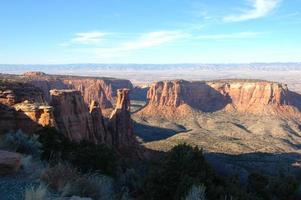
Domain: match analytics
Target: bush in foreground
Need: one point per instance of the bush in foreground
(22, 143)
(173, 176)
(67, 182)
(85, 156)
(36, 193)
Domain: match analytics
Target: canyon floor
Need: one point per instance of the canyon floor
(247, 142)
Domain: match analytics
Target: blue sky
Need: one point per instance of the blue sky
(149, 31)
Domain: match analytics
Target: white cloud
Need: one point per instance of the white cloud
(240, 35)
(93, 37)
(260, 8)
(153, 39)
(146, 40)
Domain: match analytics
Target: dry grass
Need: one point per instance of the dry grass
(39, 193)
(67, 181)
(58, 176)
(91, 185)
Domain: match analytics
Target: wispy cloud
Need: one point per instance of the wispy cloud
(260, 8)
(153, 39)
(88, 37)
(144, 41)
(240, 35)
(85, 38)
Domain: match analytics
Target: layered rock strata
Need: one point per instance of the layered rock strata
(120, 122)
(22, 106)
(247, 96)
(101, 90)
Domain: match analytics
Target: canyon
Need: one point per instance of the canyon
(178, 98)
(224, 117)
(241, 124)
(102, 90)
(24, 105)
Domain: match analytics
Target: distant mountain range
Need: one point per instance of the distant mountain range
(86, 68)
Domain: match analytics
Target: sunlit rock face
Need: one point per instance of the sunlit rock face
(120, 122)
(72, 115)
(101, 90)
(77, 122)
(247, 96)
(22, 106)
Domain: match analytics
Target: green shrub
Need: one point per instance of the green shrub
(22, 143)
(58, 176)
(99, 158)
(85, 156)
(94, 186)
(129, 182)
(54, 144)
(174, 175)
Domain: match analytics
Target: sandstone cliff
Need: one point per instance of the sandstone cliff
(22, 106)
(120, 122)
(78, 123)
(181, 97)
(102, 90)
(99, 127)
(71, 114)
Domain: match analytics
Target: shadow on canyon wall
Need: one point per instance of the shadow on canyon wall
(152, 133)
(12, 120)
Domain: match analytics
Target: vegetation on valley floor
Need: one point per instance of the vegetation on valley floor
(99, 172)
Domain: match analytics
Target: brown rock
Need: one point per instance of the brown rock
(120, 122)
(72, 116)
(9, 162)
(101, 90)
(12, 93)
(23, 107)
(249, 96)
(101, 133)
(40, 113)
(34, 74)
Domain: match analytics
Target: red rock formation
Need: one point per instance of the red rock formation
(13, 92)
(71, 114)
(258, 97)
(34, 74)
(100, 130)
(23, 107)
(9, 162)
(101, 90)
(40, 113)
(120, 122)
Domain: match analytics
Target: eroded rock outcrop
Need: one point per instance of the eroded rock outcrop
(71, 114)
(78, 123)
(102, 90)
(120, 122)
(22, 106)
(15, 92)
(100, 130)
(249, 96)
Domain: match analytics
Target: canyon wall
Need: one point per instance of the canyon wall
(72, 115)
(101, 90)
(246, 96)
(22, 106)
(77, 122)
(120, 122)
